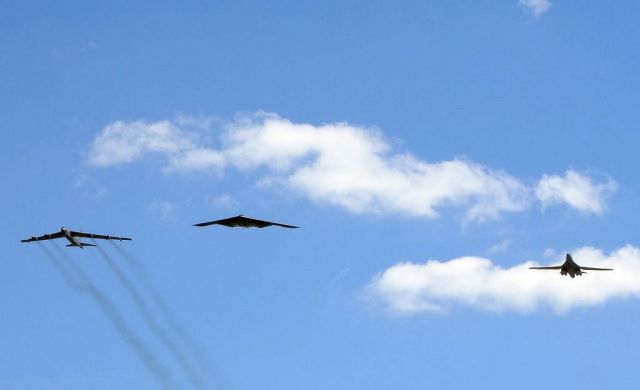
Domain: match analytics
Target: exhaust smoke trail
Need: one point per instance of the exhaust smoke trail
(64, 271)
(154, 326)
(79, 281)
(188, 342)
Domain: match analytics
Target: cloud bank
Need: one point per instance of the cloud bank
(340, 164)
(535, 7)
(479, 283)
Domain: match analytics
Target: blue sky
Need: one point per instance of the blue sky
(430, 151)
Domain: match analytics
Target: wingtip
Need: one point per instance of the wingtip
(291, 226)
(204, 224)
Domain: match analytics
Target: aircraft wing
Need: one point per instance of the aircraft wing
(45, 237)
(595, 269)
(284, 225)
(224, 222)
(98, 236)
(554, 267)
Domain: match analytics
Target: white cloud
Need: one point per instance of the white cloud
(355, 168)
(500, 247)
(123, 142)
(477, 282)
(225, 201)
(163, 209)
(196, 159)
(578, 191)
(535, 7)
(340, 164)
(89, 187)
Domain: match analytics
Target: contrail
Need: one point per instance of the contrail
(82, 283)
(151, 322)
(195, 350)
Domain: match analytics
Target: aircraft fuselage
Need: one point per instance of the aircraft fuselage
(569, 267)
(72, 240)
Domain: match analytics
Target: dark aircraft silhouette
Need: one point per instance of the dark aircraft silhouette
(245, 222)
(571, 268)
(74, 237)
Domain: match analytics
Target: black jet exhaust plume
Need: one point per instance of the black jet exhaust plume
(189, 343)
(151, 322)
(79, 281)
(72, 281)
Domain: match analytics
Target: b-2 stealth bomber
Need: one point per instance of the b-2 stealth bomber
(245, 222)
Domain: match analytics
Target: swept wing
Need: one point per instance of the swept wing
(97, 236)
(554, 267)
(51, 236)
(595, 269)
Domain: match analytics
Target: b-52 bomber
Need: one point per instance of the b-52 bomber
(245, 222)
(74, 238)
(570, 267)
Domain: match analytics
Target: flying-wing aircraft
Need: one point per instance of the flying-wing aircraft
(74, 237)
(245, 222)
(571, 268)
